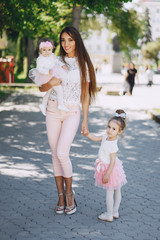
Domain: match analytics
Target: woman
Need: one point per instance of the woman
(149, 75)
(78, 85)
(130, 78)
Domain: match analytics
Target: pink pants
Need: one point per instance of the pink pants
(61, 130)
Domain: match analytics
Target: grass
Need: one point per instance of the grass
(157, 110)
(2, 94)
(21, 78)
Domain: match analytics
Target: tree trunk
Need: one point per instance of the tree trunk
(76, 15)
(30, 56)
(20, 54)
(157, 61)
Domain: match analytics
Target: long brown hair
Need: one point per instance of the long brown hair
(83, 60)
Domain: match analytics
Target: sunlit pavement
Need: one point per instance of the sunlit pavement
(27, 189)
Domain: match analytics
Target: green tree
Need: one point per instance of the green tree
(128, 26)
(27, 20)
(151, 51)
(93, 7)
(147, 28)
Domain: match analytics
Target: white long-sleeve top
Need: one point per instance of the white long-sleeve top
(71, 83)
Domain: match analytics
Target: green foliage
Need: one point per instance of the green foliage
(33, 19)
(128, 26)
(37, 18)
(151, 51)
(90, 23)
(97, 6)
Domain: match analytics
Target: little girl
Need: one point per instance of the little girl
(109, 173)
(48, 66)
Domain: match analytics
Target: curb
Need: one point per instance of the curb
(154, 116)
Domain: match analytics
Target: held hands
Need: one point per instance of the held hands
(105, 178)
(84, 128)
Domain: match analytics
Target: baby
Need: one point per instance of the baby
(48, 66)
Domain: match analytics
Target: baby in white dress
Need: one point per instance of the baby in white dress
(48, 65)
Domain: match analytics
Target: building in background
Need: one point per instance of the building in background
(98, 46)
(154, 12)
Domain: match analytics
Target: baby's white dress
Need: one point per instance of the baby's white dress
(40, 75)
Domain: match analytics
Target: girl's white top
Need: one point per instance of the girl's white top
(107, 147)
(44, 64)
(71, 83)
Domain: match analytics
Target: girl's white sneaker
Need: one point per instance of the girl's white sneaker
(116, 215)
(106, 217)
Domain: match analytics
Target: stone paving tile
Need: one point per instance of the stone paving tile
(28, 192)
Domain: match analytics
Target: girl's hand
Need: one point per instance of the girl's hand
(105, 178)
(65, 67)
(50, 72)
(84, 128)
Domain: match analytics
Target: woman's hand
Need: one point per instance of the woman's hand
(84, 128)
(55, 81)
(51, 83)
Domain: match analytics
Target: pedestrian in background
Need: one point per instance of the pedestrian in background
(109, 173)
(130, 78)
(79, 86)
(149, 75)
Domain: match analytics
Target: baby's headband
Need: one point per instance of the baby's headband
(45, 44)
(122, 115)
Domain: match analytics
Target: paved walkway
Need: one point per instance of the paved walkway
(27, 189)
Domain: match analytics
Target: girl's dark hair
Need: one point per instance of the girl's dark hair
(119, 119)
(83, 61)
(45, 39)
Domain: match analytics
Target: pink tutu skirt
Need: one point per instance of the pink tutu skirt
(117, 177)
(41, 79)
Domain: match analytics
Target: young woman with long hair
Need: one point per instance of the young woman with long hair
(79, 86)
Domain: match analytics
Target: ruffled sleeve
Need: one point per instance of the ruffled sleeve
(113, 147)
(42, 66)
